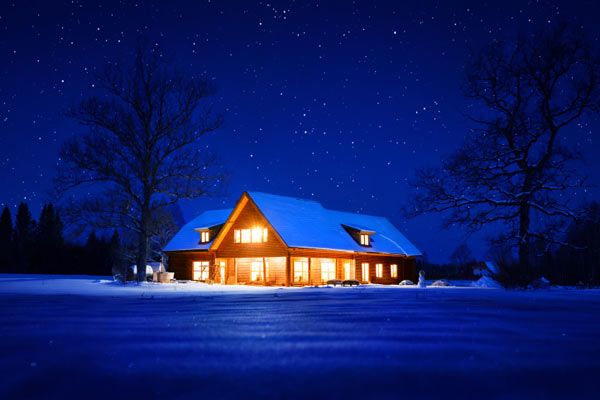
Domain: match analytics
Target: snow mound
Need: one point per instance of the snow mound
(487, 282)
(541, 283)
(406, 282)
(440, 283)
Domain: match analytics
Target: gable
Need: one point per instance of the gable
(247, 216)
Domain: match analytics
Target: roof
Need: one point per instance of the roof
(307, 224)
(188, 239)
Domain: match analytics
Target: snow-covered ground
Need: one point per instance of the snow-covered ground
(84, 337)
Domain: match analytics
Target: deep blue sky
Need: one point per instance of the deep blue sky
(339, 102)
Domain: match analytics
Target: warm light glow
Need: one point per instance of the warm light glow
(200, 270)
(379, 270)
(327, 270)
(364, 239)
(204, 236)
(256, 273)
(246, 235)
(347, 271)
(365, 272)
(394, 270)
(300, 271)
(254, 235)
(257, 235)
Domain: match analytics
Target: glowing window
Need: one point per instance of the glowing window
(200, 270)
(246, 235)
(256, 271)
(394, 270)
(347, 271)
(237, 236)
(327, 270)
(379, 270)
(257, 235)
(300, 271)
(364, 239)
(365, 272)
(204, 236)
(265, 234)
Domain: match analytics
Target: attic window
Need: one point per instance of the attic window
(204, 236)
(365, 239)
(254, 235)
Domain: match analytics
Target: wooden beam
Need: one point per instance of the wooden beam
(287, 270)
(264, 271)
(309, 273)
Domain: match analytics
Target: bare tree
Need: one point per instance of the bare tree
(140, 153)
(519, 166)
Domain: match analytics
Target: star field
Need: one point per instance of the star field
(339, 102)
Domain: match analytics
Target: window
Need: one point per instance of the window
(200, 270)
(347, 271)
(256, 272)
(246, 235)
(254, 235)
(364, 239)
(394, 270)
(300, 271)
(379, 270)
(223, 266)
(204, 236)
(327, 270)
(365, 272)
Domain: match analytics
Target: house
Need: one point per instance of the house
(276, 240)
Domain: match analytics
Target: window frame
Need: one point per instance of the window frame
(394, 270)
(379, 270)
(364, 271)
(329, 273)
(200, 270)
(204, 236)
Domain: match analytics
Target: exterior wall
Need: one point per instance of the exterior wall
(406, 268)
(251, 217)
(181, 263)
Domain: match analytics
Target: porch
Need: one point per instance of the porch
(280, 271)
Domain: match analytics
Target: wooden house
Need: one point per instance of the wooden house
(276, 240)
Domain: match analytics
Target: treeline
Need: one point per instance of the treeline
(574, 261)
(39, 247)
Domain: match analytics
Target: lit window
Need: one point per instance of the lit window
(327, 270)
(246, 235)
(256, 272)
(379, 270)
(257, 234)
(394, 270)
(204, 236)
(200, 270)
(364, 239)
(300, 271)
(365, 272)
(254, 235)
(347, 271)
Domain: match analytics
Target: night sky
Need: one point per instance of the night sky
(339, 102)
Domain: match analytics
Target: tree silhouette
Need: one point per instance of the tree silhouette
(518, 167)
(141, 151)
(6, 241)
(23, 237)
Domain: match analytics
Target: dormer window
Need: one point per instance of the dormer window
(204, 236)
(365, 239)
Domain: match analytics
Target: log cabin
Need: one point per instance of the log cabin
(277, 240)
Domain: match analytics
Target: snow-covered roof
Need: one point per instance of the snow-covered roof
(188, 238)
(307, 224)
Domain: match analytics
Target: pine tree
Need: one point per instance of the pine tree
(23, 237)
(6, 241)
(49, 241)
